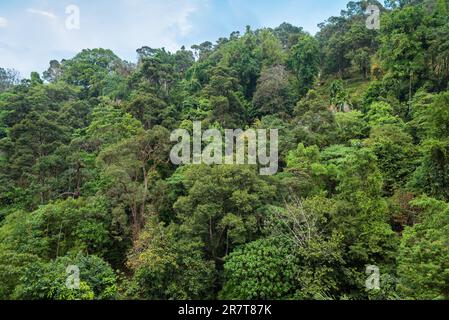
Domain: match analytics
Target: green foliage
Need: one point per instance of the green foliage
(167, 267)
(305, 62)
(406, 50)
(260, 270)
(59, 228)
(346, 42)
(223, 206)
(381, 113)
(12, 267)
(423, 254)
(351, 126)
(431, 177)
(110, 125)
(315, 123)
(287, 136)
(438, 116)
(89, 70)
(273, 94)
(395, 153)
(339, 97)
(363, 120)
(130, 167)
(306, 173)
(47, 281)
(8, 78)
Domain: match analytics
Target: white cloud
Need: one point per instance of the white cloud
(42, 13)
(3, 22)
(183, 23)
(123, 26)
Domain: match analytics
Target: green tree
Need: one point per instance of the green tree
(87, 70)
(260, 270)
(273, 94)
(47, 281)
(223, 206)
(8, 78)
(166, 266)
(396, 154)
(305, 63)
(315, 123)
(130, 167)
(423, 254)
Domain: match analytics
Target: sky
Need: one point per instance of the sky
(33, 32)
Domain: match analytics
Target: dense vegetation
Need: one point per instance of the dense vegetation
(85, 176)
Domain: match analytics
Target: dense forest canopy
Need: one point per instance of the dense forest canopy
(363, 119)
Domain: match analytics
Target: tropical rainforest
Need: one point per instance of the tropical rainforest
(363, 180)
